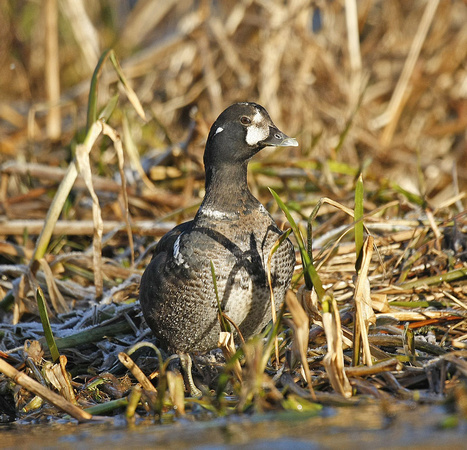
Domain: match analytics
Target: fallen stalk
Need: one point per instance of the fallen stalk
(45, 393)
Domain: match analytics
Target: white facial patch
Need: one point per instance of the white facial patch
(219, 130)
(258, 130)
(255, 134)
(258, 118)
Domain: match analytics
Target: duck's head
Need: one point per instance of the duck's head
(240, 132)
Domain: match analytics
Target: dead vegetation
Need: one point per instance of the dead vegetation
(382, 93)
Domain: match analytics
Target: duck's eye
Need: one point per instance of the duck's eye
(245, 120)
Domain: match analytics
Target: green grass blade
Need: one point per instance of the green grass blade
(310, 220)
(130, 93)
(49, 337)
(92, 335)
(271, 337)
(107, 407)
(349, 122)
(344, 134)
(92, 99)
(447, 277)
(358, 218)
(411, 197)
(109, 108)
(311, 275)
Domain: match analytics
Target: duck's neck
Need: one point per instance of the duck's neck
(227, 188)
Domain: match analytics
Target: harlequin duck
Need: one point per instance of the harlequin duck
(234, 231)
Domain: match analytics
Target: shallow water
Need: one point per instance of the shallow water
(353, 427)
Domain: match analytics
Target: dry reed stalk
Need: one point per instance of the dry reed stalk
(142, 19)
(33, 386)
(136, 371)
(82, 227)
(394, 109)
(210, 74)
(82, 157)
(227, 344)
(176, 387)
(52, 69)
(300, 325)
(7, 248)
(404, 316)
(353, 45)
(364, 314)
(334, 359)
(112, 134)
(134, 156)
(54, 212)
(231, 55)
(383, 366)
(58, 376)
(58, 302)
(84, 32)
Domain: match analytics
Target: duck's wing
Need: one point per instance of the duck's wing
(166, 243)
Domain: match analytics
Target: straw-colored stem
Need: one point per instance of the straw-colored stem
(353, 35)
(393, 111)
(36, 388)
(52, 69)
(54, 211)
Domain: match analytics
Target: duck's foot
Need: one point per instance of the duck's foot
(186, 363)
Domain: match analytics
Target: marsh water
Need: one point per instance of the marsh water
(361, 427)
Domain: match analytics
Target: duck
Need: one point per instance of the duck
(231, 232)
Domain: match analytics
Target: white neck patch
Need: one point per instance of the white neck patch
(219, 130)
(176, 251)
(216, 214)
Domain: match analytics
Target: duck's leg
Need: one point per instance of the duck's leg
(186, 363)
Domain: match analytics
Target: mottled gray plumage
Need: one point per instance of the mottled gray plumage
(234, 231)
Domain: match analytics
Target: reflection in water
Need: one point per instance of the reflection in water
(364, 426)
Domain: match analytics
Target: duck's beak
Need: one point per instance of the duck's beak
(278, 139)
